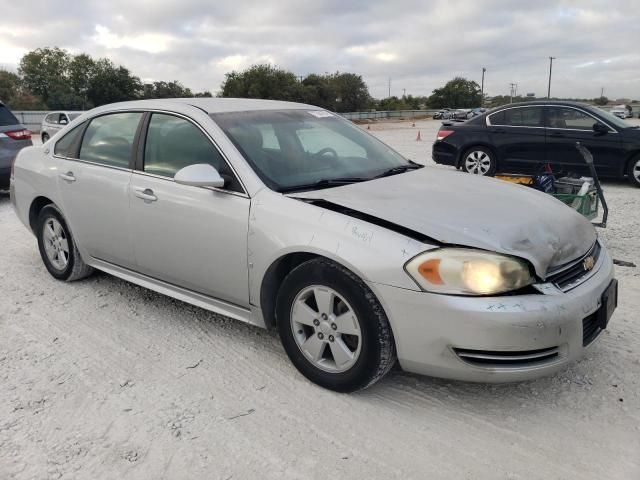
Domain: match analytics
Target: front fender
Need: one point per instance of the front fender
(280, 225)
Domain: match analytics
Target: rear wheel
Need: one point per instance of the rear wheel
(479, 161)
(57, 247)
(633, 171)
(333, 328)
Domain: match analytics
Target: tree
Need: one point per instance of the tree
(43, 70)
(9, 84)
(320, 91)
(457, 93)
(352, 92)
(601, 100)
(260, 81)
(82, 68)
(111, 83)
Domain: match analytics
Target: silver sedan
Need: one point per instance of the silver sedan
(287, 216)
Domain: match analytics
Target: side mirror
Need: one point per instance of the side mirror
(600, 128)
(199, 175)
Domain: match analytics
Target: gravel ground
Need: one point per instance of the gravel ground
(101, 379)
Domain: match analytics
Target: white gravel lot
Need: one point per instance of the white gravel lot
(101, 379)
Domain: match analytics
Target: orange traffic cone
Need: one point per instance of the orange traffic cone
(413, 124)
(368, 127)
(418, 138)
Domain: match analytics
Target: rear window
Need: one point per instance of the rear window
(6, 117)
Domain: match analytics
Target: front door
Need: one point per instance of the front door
(192, 237)
(518, 136)
(95, 186)
(568, 125)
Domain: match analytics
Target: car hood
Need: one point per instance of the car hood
(461, 209)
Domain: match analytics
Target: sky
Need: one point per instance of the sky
(419, 45)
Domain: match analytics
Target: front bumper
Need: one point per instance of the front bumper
(431, 330)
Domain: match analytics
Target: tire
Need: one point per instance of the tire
(479, 161)
(356, 324)
(633, 171)
(45, 137)
(57, 248)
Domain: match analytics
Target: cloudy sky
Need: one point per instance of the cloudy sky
(419, 44)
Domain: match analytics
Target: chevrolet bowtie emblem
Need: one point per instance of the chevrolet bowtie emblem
(588, 263)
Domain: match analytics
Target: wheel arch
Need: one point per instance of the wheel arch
(276, 273)
(35, 208)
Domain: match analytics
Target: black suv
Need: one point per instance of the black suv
(521, 137)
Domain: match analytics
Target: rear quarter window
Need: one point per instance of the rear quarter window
(6, 117)
(67, 146)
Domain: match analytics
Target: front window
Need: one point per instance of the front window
(297, 149)
(570, 118)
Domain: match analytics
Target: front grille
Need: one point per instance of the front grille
(502, 359)
(590, 328)
(573, 274)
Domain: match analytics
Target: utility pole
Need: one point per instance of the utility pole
(551, 59)
(389, 87)
(482, 88)
(602, 92)
(514, 88)
(404, 92)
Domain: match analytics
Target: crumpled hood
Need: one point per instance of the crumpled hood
(463, 209)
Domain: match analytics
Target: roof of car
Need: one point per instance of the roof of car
(547, 102)
(218, 105)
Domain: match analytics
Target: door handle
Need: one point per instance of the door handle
(68, 177)
(145, 194)
(557, 134)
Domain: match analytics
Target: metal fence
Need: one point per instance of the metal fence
(31, 119)
(375, 115)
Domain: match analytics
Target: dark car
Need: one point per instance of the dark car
(521, 137)
(13, 137)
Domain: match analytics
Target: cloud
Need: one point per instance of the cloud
(419, 45)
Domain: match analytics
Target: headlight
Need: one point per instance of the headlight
(465, 271)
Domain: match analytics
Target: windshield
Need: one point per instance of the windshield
(613, 120)
(300, 148)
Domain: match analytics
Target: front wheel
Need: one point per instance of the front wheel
(479, 161)
(332, 327)
(634, 171)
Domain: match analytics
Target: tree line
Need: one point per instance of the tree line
(54, 79)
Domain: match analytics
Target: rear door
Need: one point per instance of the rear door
(192, 237)
(568, 125)
(518, 135)
(94, 185)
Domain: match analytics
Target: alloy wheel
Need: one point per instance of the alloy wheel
(326, 329)
(56, 244)
(477, 162)
(636, 171)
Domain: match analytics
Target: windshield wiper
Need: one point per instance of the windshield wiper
(324, 183)
(399, 169)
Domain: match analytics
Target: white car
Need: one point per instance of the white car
(287, 216)
(53, 122)
(621, 112)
